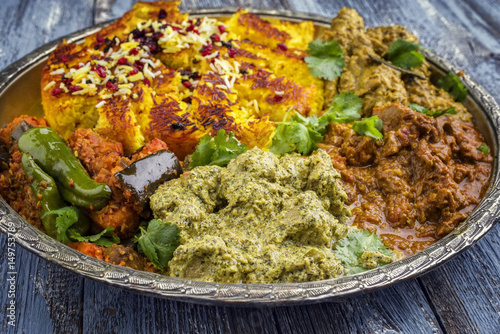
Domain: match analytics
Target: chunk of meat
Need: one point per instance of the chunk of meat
(417, 184)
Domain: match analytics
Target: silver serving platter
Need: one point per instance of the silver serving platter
(20, 94)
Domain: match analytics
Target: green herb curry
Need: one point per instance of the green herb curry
(261, 219)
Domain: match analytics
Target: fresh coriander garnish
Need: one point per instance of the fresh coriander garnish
(326, 59)
(67, 217)
(371, 127)
(404, 54)
(345, 108)
(300, 134)
(218, 150)
(484, 149)
(433, 113)
(106, 238)
(452, 84)
(350, 250)
(158, 242)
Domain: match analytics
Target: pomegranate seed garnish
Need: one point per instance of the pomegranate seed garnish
(147, 82)
(215, 38)
(122, 61)
(190, 28)
(260, 73)
(282, 46)
(222, 29)
(74, 88)
(162, 14)
(196, 31)
(174, 28)
(133, 51)
(231, 52)
(101, 71)
(64, 58)
(76, 67)
(56, 91)
(187, 84)
(133, 72)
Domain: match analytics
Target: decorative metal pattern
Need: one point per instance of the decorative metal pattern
(469, 232)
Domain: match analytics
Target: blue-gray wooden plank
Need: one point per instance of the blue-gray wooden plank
(450, 298)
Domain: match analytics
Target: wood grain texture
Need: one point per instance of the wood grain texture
(462, 296)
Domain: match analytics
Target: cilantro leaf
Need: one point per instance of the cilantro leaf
(326, 59)
(370, 127)
(484, 149)
(301, 133)
(218, 150)
(345, 108)
(433, 113)
(350, 250)
(159, 242)
(404, 54)
(106, 238)
(452, 84)
(66, 217)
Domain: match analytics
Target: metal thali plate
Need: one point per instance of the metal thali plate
(20, 94)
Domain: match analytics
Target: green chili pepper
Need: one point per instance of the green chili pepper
(45, 189)
(52, 154)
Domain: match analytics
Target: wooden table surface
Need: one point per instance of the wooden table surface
(462, 296)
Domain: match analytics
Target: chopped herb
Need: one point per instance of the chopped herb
(345, 108)
(484, 149)
(218, 150)
(350, 249)
(452, 84)
(326, 59)
(404, 54)
(159, 242)
(433, 113)
(67, 217)
(106, 238)
(371, 127)
(301, 133)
